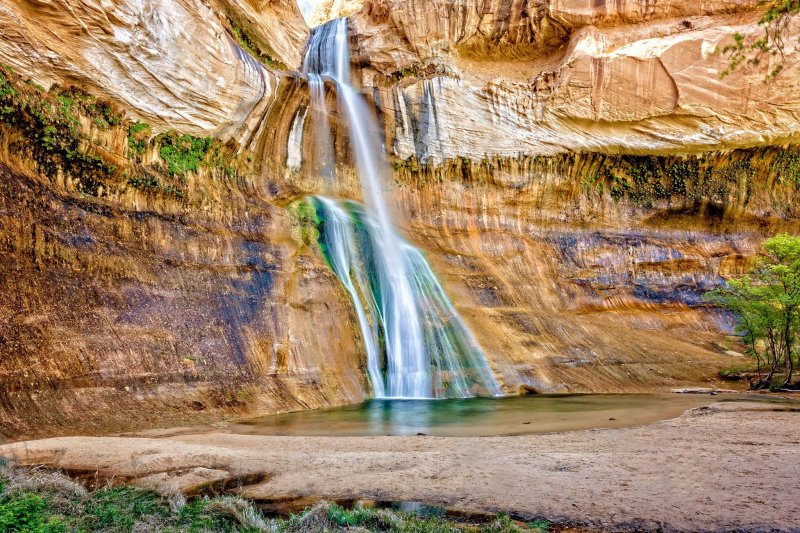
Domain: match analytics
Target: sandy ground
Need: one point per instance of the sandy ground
(724, 467)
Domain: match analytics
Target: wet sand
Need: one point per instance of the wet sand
(729, 466)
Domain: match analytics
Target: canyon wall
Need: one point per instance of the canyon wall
(570, 289)
(577, 174)
(175, 64)
(139, 294)
(479, 78)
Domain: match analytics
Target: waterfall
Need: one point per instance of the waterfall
(402, 309)
(340, 249)
(294, 145)
(323, 153)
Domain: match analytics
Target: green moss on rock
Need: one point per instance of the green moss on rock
(183, 153)
(138, 135)
(49, 127)
(246, 42)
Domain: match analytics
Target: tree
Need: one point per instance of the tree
(775, 21)
(766, 302)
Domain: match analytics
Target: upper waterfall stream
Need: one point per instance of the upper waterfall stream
(416, 343)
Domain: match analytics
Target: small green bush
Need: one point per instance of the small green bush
(28, 513)
(183, 153)
(138, 133)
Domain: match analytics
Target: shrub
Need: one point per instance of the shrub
(28, 513)
(138, 133)
(183, 153)
(767, 304)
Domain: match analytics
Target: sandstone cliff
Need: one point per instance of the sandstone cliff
(577, 174)
(326, 10)
(174, 64)
(476, 78)
(154, 281)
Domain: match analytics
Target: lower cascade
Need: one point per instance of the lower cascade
(416, 343)
(433, 356)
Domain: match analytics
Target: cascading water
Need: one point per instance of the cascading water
(403, 312)
(454, 366)
(323, 156)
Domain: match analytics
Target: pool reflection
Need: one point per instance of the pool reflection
(481, 416)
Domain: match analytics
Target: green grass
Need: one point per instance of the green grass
(541, 525)
(29, 513)
(747, 371)
(41, 501)
(738, 372)
(120, 508)
(28, 506)
(332, 517)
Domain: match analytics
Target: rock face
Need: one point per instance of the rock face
(140, 294)
(333, 9)
(578, 174)
(483, 78)
(276, 27)
(568, 288)
(136, 313)
(173, 64)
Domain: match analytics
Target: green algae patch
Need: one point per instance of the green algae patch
(73, 139)
(138, 135)
(305, 220)
(248, 44)
(49, 130)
